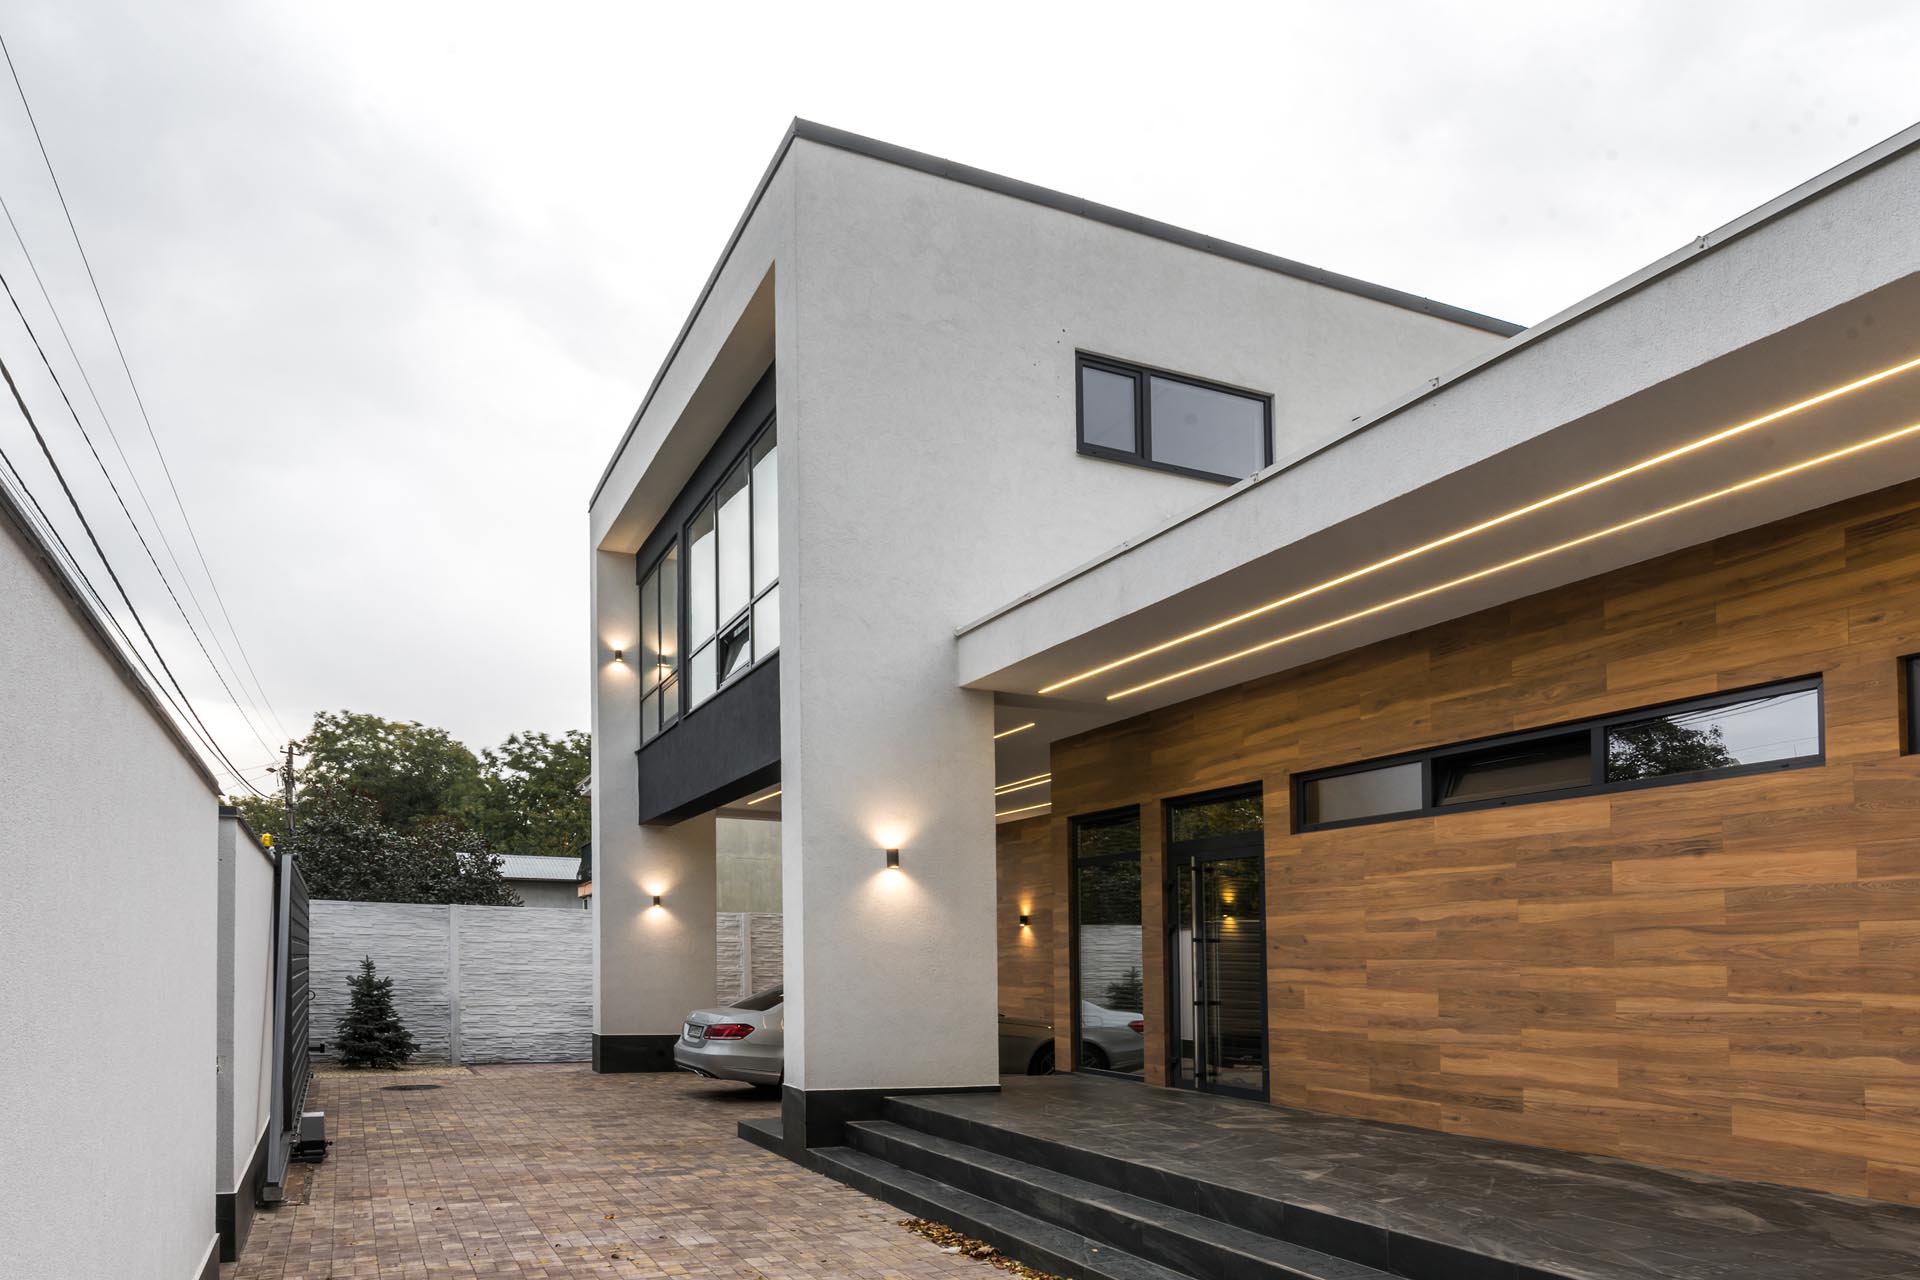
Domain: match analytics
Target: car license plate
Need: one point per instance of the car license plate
(695, 1031)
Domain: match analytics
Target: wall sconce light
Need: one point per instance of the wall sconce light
(656, 899)
(619, 655)
(893, 858)
(1026, 922)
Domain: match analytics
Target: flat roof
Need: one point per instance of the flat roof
(1091, 210)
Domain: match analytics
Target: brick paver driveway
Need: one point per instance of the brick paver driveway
(554, 1171)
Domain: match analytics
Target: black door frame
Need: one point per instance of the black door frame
(1185, 857)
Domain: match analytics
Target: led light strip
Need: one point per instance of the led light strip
(1008, 813)
(763, 799)
(1495, 522)
(1021, 784)
(1008, 733)
(1529, 558)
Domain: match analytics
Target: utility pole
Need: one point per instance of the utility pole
(286, 789)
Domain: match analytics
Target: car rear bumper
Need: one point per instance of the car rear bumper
(729, 1060)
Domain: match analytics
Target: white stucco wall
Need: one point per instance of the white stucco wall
(107, 947)
(929, 473)
(245, 1013)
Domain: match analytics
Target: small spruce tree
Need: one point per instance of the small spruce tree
(371, 1033)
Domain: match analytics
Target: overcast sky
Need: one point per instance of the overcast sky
(392, 277)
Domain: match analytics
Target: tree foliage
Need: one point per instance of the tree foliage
(370, 1031)
(533, 794)
(348, 853)
(410, 771)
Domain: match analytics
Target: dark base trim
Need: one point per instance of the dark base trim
(233, 1210)
(619, 1055)
(819, 1117)
(210, 1266)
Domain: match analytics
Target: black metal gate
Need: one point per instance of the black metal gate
(292, 1051)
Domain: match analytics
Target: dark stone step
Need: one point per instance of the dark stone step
(763, 1133)
(1146, 1228)
(1041, 1245)
(1394, 1253)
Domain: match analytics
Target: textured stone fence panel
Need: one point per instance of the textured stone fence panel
(499, 984)
(473, 984)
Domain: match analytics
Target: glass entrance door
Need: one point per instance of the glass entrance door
(1217, 948)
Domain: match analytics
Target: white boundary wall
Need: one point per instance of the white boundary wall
(108, 946)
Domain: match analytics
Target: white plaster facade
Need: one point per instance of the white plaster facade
(923, 330)
(108, 937)
(246, 979)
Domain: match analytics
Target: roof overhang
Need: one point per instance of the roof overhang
(1427, 511)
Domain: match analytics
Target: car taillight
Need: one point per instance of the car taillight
(1138, 1026)
(729, 1031)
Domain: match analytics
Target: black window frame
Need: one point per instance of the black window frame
(743, 460)
(672, 674)
(1075, 824)
(1596, 728)
(1910, 703)
(1142, 454)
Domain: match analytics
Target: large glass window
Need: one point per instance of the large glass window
(1171, 421)
(1776, 727)
(660, 644)
(733, 573)
(1107, 970)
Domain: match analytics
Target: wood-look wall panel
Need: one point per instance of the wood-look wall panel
(1721, 975)
(1025, 883)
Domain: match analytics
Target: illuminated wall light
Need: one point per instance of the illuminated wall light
(1495, 522)
(656, 899)
(1008, 813)
(1026, 921)
(619, 655)
(1008, 733)
(893, 859)
(763, 799)
(1021, 784)
(1529, 558)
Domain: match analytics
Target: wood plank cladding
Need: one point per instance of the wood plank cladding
(1026, 886)
(1721, 975)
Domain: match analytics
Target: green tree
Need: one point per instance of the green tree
(347, 852)
(533, 794)
(266, 817)
(370, 1031)
(410, 771)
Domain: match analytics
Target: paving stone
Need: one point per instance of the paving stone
(541, 1172)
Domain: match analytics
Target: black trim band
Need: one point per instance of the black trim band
(627, 1055)
(819, 1117)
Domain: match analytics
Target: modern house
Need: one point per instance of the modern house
(1501, 733)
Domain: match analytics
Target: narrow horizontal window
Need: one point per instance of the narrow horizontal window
(1364, 793)
(1784, 726)
(1775, 727)
(1131, 413)
(1517, 769)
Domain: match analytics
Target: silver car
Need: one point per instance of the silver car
(742, 1041)
(1110, 1040)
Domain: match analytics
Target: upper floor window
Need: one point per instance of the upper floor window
(1168, 420)
(660, 644)
(733, 571)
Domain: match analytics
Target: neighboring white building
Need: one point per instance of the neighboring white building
(543, 881)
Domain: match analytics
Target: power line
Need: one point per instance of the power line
(107, 564)
(127, 369)
(78, 575)
(144, 546)
(132, 474)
